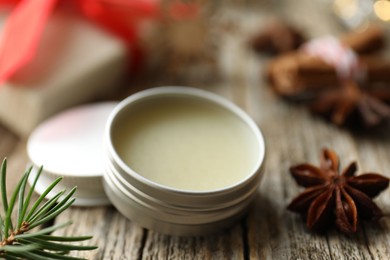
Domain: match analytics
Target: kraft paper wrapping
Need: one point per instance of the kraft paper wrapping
(76, 62)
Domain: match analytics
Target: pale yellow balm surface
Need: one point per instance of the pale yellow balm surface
(186, 144)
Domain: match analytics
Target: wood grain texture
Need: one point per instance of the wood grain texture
(116, 237)
(292, 134)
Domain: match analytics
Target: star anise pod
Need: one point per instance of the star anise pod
(277, 37)
(331, 195)
(351, 103)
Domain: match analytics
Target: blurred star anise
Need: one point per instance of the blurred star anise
(277, 37)
(331, 195)
(350, 101)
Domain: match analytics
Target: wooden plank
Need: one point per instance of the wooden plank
(374, 154)
(8, 142)
(119, 238)
(116, 237)
(225, 245)
(14, 150)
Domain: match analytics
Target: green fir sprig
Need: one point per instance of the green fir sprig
(20, 237)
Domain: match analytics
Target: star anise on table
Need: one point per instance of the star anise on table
(334, 197)
(351, 103)
(277, 37)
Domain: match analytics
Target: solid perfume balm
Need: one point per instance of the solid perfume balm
(181, 160)
(186, 144)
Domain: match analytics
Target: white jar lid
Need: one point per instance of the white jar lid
(70, 145)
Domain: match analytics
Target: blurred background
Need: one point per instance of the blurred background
(76, 52)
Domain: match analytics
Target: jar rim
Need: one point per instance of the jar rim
(170, 91)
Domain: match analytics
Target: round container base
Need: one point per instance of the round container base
(171, 209)
(168, 228)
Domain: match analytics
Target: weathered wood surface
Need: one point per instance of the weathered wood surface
(292, 135)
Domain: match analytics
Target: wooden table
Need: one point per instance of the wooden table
(292, 135)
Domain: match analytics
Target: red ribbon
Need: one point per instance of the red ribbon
(24, 27)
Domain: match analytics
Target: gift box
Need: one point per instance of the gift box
(75, 62)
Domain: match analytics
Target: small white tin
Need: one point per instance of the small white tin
(168, 208)
(70, 145)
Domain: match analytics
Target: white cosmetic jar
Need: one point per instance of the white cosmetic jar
(171, 209)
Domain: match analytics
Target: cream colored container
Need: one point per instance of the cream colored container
(182, 161)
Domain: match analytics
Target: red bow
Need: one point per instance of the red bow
(24, 27)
